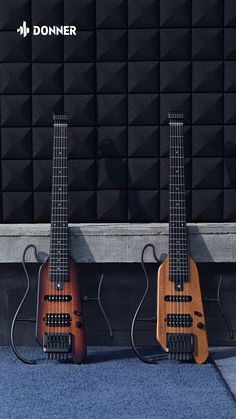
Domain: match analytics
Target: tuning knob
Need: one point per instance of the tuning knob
(78, 324)
(200, 325)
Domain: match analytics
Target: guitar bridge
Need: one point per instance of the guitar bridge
(57, 346)
(180, 346)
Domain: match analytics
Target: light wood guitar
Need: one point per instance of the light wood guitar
(181, 326)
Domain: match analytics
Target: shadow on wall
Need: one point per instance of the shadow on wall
(201, 251)
(81, 250)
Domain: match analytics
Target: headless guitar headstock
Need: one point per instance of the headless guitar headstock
(61, 117)
(175, 117)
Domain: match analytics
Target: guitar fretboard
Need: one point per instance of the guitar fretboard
(178, 254)
(59, 207)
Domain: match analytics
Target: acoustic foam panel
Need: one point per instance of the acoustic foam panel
(131, 62)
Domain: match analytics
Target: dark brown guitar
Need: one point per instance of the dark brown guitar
(181, 327)
(59, 322)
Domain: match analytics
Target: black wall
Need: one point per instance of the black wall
(130, 63)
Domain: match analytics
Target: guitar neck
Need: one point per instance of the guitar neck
(178, 254)
(59, 205)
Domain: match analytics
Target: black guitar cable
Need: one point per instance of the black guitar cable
(14, 320)
(153, 319)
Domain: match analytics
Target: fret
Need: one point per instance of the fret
(54, 262)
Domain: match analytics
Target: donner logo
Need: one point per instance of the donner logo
(23, 30)
(46, 30)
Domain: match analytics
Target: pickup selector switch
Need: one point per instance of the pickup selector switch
(197, 313)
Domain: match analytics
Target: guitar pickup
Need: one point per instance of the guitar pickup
(57, 319)
(179, 320)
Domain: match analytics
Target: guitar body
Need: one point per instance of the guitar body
(193, 307)
(59, 316)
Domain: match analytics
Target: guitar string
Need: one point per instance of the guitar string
(178, 210)
(183, 221)
(179, 216)
(184, 232)
(171, 220)
(177, 220)
(176, 213)
(178, 231)
(53, 231)
(171, 209)
(181, 210)
(60, 209)
(172, 143)
(54, 217)
(57, 217)
(64, 197)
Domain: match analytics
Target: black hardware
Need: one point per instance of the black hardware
(179, 320)
(180, 346)
(57, 346)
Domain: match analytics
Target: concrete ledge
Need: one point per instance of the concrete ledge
(120, 243)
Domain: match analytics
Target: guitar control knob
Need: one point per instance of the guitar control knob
(78, 324)
(200, 325)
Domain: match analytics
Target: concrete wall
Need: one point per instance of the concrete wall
(120, 243)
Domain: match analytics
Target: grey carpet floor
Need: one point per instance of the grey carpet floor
(113, 384)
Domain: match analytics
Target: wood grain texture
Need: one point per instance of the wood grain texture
(71, 287)
(192, 288)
